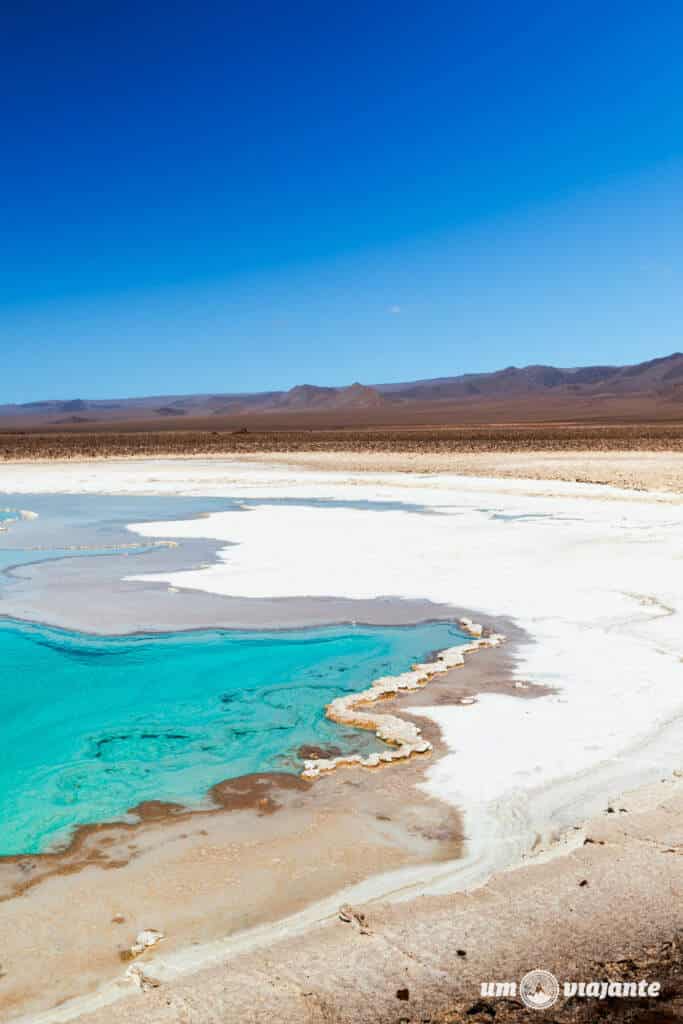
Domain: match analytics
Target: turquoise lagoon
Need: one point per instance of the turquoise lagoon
(92, 726)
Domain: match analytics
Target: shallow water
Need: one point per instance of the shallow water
(69, 526)
(91, 726)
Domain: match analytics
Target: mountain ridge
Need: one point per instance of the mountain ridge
(655, 383)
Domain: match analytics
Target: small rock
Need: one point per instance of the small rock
(354, 917)
(145, 939)
(142, 980)
(481, 1007)
(402, 993)
(461, 952)
(583, 882)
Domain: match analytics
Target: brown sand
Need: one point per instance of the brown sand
(422, 438)
(612, 909)
(201, 877)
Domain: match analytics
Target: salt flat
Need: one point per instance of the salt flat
(591, 574)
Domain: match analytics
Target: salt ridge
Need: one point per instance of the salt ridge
(403, 736)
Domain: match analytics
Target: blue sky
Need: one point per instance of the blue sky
(248, 196)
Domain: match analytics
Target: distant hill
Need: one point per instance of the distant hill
(649, 390)
(308, 396)
(662, 376)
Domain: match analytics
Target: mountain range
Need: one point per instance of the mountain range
(647, 390)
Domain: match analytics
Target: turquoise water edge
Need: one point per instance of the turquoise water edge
(92, 726)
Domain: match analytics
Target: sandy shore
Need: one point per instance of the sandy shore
(657, 470)
(611, 908)
(584, 580)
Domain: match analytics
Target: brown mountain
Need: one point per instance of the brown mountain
(662, 376)
(308, 396)
(647, 391)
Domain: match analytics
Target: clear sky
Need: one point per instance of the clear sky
(243, 196)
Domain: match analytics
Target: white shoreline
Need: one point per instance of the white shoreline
(403, 736)
(16, 514)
